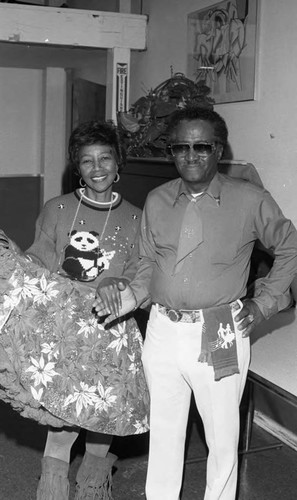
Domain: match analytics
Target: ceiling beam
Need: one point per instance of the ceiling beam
(71, 27)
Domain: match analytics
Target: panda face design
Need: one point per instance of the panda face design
(84, 241)
(83, 258)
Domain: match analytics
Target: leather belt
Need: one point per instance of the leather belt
(184, 316)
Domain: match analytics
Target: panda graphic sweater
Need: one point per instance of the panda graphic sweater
(69, 237)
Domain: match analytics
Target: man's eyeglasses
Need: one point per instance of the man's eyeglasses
(181, 149)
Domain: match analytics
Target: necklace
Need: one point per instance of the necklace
(113, 198)
(105, 223)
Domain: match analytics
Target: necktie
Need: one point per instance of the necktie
(190, 234)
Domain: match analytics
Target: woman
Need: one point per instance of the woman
(84, 375)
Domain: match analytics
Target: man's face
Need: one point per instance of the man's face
(196, 171)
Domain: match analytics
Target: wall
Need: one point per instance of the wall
(33, 102)
(32, 124)
(103, 5)
(263, 131)
(21, 111)
(20, 106)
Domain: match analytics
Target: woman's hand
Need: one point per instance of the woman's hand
(249, 317)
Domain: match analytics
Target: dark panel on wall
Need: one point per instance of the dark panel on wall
(141, 175)
(20, 204)
(89, 100)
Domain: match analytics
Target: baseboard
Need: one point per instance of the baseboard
(284, 435)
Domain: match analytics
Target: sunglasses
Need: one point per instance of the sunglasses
(181, 149)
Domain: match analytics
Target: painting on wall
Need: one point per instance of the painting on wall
(222, 49)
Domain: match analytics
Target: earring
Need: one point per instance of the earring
(82, 183)
(117, 178)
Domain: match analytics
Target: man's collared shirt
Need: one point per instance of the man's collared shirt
(232, 215)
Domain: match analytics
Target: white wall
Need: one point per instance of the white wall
(20, 119)
(263, 131)
(33, 110)
(32, 124)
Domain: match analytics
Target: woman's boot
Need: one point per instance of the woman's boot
(53, 483)
(94, 477)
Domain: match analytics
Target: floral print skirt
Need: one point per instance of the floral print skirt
(58, 365)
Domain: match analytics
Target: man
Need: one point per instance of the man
(197, 236)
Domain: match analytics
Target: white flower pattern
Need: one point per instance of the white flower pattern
(133, 366)
(50, 349)
(36, 393)
(87, 326)
(121, 338)
(42, 372)
(141, 426)
(46, 291)
(28, 288)
(68, 367)
(83, 398)
(106, 399)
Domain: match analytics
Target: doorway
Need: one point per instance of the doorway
(87, 102)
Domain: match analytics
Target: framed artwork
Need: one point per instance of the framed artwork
(222, 49)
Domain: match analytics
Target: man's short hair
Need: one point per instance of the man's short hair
(190, 113)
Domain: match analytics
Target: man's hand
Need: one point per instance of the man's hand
(108, 303)
(108, 293)
(249, 317)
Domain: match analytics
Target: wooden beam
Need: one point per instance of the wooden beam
(71, 27)
(53, 130)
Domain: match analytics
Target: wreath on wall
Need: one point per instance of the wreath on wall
(144, 127)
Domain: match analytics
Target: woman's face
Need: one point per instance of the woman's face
(98, 168)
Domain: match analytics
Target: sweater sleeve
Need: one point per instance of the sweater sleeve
(140, 285)
(131, 264)
(43, 249)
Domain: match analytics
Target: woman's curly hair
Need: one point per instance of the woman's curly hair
(96, 132)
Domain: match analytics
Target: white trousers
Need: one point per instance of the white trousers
(170, 359)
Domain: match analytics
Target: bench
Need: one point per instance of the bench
(273, 364)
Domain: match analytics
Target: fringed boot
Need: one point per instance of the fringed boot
(94, 477)
(53, 483)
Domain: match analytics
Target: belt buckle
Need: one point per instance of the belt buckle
(174, 315)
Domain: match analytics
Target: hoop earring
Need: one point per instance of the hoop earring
(117, 178)
(82, 182)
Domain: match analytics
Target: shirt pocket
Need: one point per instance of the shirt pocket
(223, 246)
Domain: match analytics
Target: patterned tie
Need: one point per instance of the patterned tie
(190, 234)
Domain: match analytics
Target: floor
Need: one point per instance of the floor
(265, 475)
